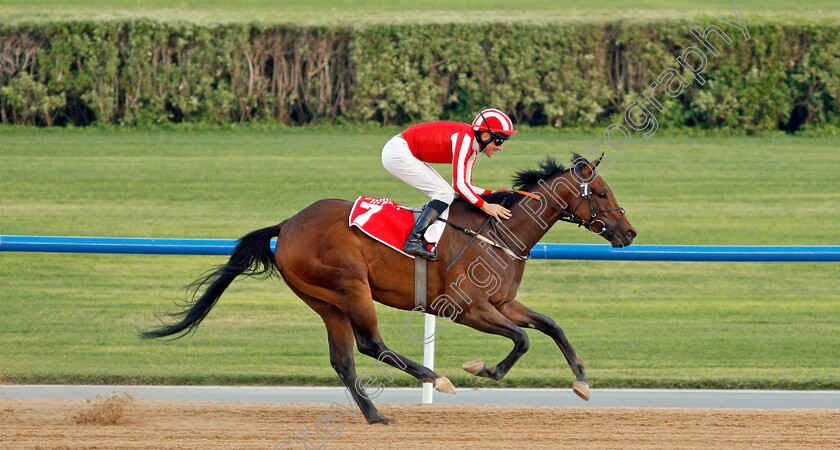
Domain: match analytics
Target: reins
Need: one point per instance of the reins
(477, 235)
(472, 233)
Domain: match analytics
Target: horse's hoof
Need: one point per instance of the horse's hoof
(581, 388)
(443, 384)
(474, 367)
(382, 420)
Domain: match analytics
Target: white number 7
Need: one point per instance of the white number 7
(363, 218)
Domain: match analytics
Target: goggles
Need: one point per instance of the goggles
(499, 138)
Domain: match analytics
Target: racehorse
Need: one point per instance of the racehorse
(339, 271)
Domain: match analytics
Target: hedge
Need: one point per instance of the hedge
(143, 72)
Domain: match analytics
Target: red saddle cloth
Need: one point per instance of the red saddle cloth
(381, 219)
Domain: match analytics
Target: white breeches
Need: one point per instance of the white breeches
(397, 159)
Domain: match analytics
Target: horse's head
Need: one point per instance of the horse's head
(580, 195)
(597, 208)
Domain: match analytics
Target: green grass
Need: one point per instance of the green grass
(403, 11)
(74, 318)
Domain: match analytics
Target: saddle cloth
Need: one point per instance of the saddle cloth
(390, 223)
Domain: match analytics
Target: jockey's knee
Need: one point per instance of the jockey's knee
(445, 197)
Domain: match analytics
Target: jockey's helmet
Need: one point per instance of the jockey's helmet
(494, 121)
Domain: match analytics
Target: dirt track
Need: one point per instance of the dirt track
(53, 424)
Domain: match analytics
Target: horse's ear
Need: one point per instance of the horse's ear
(598, 161)
(586, 169)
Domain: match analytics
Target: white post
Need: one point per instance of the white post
(429, 354)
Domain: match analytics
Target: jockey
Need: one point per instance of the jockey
(407, 155)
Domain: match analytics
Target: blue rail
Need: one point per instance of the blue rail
(744, 253)
(778, 253)
(136, 246)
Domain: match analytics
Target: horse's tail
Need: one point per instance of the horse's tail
(251, 257)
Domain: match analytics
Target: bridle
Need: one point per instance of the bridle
(569, 216)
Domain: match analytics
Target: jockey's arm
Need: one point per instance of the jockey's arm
(462, 181)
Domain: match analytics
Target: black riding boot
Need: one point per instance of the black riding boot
(416, 245)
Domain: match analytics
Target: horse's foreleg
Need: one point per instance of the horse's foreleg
(526, 317)
(485, 317)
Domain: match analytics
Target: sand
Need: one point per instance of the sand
(148, 424)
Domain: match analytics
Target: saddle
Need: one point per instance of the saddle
(390, 223)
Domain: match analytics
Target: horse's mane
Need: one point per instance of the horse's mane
(527, 179)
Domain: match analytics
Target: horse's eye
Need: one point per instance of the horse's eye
(602, 194)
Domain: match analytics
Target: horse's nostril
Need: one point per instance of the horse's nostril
(631, 233)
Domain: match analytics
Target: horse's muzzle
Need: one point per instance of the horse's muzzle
(622, 236)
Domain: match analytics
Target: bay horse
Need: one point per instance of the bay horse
(339, 271)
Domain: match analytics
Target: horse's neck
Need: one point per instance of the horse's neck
(520, 233)
(532, 224)
(528, 228)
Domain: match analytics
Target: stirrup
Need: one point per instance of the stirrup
(417, 247)
(416, 244)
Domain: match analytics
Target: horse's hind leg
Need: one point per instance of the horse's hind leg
(365, 326)
(526, 317)
(340, 336)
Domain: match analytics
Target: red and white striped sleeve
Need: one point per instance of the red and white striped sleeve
(463, 159)
(474, 188)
